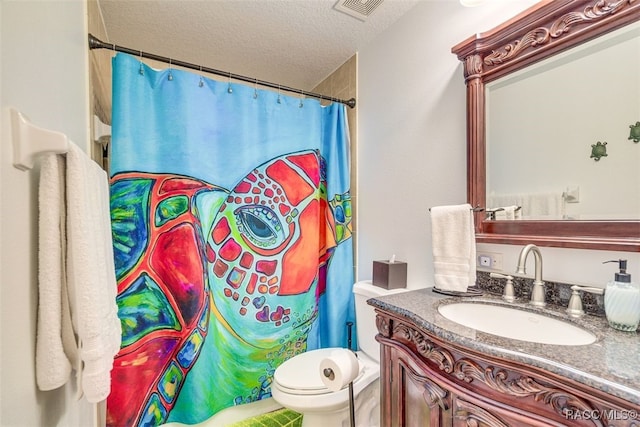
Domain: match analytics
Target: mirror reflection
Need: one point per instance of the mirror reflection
(567, 152)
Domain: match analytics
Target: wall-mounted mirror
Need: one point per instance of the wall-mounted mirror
(552, 99)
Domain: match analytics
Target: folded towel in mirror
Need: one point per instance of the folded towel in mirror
(508, 212)
(533, 205)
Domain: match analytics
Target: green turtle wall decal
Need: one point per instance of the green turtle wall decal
(635, 132)
(598, 150)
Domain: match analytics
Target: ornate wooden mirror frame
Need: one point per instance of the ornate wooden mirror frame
(545, 29)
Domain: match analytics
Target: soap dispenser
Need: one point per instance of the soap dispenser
(622, 300)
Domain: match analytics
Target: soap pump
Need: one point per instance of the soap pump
(622, 300)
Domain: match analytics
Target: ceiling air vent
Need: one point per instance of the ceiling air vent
(359, 9)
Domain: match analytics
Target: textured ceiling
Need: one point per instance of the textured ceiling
(296, 43)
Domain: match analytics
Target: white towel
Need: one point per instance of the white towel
(52, 365)
(508, 212)
(454, 247)
(90, 277)
(546, 205)
(534, 205)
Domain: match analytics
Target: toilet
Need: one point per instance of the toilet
(297, 384)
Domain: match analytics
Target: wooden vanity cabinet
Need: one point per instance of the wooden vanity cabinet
(426, 382)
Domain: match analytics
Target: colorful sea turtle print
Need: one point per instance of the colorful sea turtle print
(230, 279)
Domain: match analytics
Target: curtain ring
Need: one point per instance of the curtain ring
(170, 76)
(141, 71)
(301, 98)
(229, 89)
(201, 82)
(279, 101)
(255, 88)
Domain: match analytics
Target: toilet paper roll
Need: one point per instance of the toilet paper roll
(339, 369)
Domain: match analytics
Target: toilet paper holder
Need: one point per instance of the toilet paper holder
(330, 374)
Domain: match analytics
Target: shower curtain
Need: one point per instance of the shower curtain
(231, 219)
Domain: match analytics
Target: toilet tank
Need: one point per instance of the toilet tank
(366, 316)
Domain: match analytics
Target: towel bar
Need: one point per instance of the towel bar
(29, 140)
(476, 209)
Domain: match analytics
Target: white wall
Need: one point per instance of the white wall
(412, 149)
(43, 74)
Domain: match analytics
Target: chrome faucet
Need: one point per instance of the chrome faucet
(537, 292)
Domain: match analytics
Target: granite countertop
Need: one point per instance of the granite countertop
(610, 364)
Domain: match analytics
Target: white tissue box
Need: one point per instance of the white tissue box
(390, 275)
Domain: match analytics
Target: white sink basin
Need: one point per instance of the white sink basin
(511, 322)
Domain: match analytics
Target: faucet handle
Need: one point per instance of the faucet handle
(574, 309)
(509, 293)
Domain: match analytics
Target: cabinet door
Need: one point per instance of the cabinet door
(468, 411)
(416, 400)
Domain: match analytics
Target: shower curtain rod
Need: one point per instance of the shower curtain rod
(95, 43)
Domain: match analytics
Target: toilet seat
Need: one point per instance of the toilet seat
(300, 375)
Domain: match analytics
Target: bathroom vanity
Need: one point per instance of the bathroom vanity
(436, 372)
